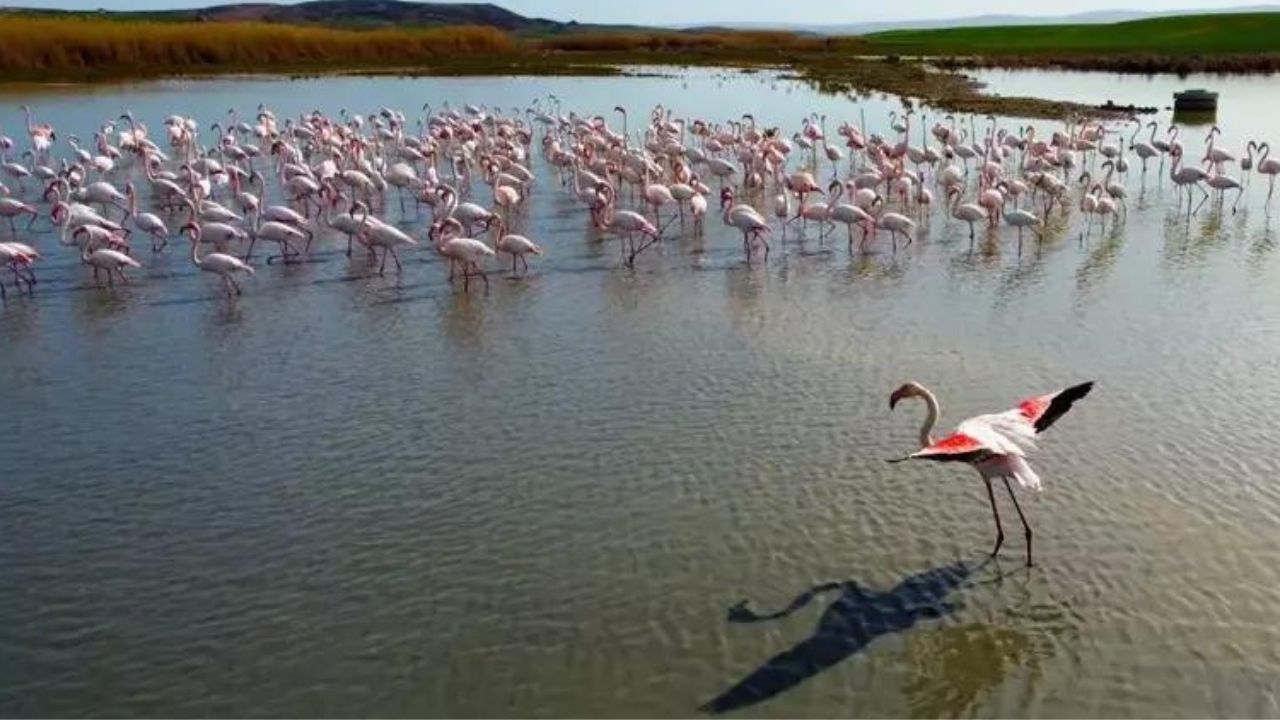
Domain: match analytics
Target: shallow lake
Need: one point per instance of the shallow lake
(344, 494)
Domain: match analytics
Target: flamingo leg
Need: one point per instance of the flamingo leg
(1023, 518)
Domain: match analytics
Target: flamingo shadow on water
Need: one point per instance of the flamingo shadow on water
(857, 617)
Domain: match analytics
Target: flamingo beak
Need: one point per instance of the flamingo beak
(896, 396)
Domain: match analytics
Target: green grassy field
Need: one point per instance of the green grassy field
(1193, 34)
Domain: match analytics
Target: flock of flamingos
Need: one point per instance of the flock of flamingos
(339, 174)
(471, 169)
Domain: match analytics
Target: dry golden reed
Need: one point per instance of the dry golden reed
(31, 47)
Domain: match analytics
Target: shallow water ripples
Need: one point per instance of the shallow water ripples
(348, 494)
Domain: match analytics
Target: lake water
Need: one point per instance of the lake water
(343, 494)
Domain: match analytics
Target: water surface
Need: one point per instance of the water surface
(350, 495)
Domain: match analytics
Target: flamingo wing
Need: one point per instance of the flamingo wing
(956, 447)
(1043, 411)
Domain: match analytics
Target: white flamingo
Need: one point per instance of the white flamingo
(216, 262)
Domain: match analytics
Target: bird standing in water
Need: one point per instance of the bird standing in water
(995, 445)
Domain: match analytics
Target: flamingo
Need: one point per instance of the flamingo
(1216, 156)
(626, 224)
(820, 212)
(18, 172)
(376, 233)
(1105, 206)
(348, 223)
(996, 445)
(744, 218)
(471, 253)
(802, 183)
(18, 256)
(517, 246)
(103, 194)
(109, 260)
(968, 212)
(1268, 166)
(42, 135)
(851, 215)
(283, 235)
(10, 209)
(1023, 219)
(1115, 189)
(1223, 183)
(216, 262)
(1187, 177)
(655, 196)
(146, 222)
(896, 224)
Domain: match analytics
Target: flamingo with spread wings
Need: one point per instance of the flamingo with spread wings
(996, 445)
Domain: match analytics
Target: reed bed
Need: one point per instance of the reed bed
(84, 48)
(762, 43)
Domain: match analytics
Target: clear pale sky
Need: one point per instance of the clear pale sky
(675, 12)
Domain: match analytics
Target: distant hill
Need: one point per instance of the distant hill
(1201, 35)
(364, 12)
(401, 13)
(1103, 17)
(351, 13)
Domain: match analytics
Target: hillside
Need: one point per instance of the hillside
(1168, 36)
(341, 13)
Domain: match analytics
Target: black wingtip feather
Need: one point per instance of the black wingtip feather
(1061, 403)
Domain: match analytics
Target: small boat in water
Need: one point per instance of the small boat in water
(1197, 100)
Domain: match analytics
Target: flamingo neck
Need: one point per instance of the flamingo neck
(931, 418)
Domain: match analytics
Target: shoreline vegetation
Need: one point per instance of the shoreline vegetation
(925, 66)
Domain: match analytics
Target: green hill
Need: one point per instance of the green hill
(1181, 35)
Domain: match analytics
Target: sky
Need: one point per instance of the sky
(680, 12)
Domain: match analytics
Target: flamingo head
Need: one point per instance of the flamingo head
(726, 197)
(909, 390)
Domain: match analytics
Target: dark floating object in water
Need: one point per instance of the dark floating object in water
(1112, 107)
(1197, 100)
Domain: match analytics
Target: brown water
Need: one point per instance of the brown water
(352, 495)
